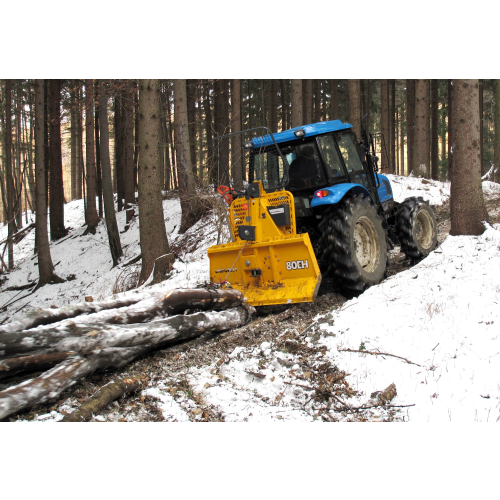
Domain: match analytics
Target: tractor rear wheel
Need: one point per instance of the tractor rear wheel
(416, 228)
(353, 244)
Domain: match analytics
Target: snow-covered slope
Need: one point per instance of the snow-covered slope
(439, 321)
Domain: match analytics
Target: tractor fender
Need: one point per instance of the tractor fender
(384, 189)
(337, 193)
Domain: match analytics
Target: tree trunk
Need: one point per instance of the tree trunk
(334, 112)
(308, 100)
(191, 110)
(113, 347)
(19, 175)
(410, 124)
(297, 115)
(98, 152)
(434, 128)
(73, 139)
(392, 128)
(384, 122)
(466, 196)
(107, 187)
(402, 143)
(45, 266)
(450, 130)
(119, 148)
(190, 202)
(57, 229)
(236, 150)
(79, 144)
(90, 207)
(421, 165)
(317, 100)
(273, 106)
(496, 173)
(13, 366)
(481, 127)
(8, 171)
(211, 169)
(153, 236)
(354, 107)
(128, 139)
(104, 397)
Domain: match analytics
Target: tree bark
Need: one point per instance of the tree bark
(466, 196)
(128, 160)
(57, 229)
(236, 150)
(421, 165)
(153, 235)
(410, 124)
(481, 126)
(450, 130)
(109, 205)
(73, 134)
(113, 347)
(354, 106)
(308, 100)
(402, 142)
(334, 112)
(273, 106)
(190, 202)
(8, 171)
(191, 111)
(434, 128)
(90, 207)
(104, 397)
(119, 148)
(384, 123)
(297, 113)
(13, 366)
(45, 266)
(98, 151)
(208, 131)
(392, 127)
(496, 173)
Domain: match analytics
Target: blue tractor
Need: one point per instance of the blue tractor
(340, 201)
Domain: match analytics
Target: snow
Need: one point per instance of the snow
(442, 316)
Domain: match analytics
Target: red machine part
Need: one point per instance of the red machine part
(228, 193)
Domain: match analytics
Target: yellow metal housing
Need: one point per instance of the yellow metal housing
(279, 266)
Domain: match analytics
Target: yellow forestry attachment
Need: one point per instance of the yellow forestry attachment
(268, 261)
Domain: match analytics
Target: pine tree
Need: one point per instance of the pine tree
(354, 106)
(57, 229)
(236, 150)
(45, 266)
(154, 242)
(107, 187)
(466, 196)
(190, 201)
(496, 175)
(91, 216)
(434, 130)
(297, 112)
(421, 159)
(384, 123)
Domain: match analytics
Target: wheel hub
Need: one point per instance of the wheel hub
(424, 229)
(366, 244)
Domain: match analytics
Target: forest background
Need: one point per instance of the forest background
(437, 40)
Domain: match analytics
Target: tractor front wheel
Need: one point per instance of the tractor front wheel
(353, 244)
(416, 228)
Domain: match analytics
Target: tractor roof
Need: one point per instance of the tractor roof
(310, 130)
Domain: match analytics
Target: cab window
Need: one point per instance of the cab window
(336, 169)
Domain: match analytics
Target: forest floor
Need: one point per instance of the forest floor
(430, 329)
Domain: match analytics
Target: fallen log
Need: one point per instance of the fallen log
(104, 397)
(111, 347)
(50, 384)
(41, 317)
(13, 366)
(86, 338)
(45, 340)
(147, 307)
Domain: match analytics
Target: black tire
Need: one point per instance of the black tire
(353, 245)
(416, 228)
